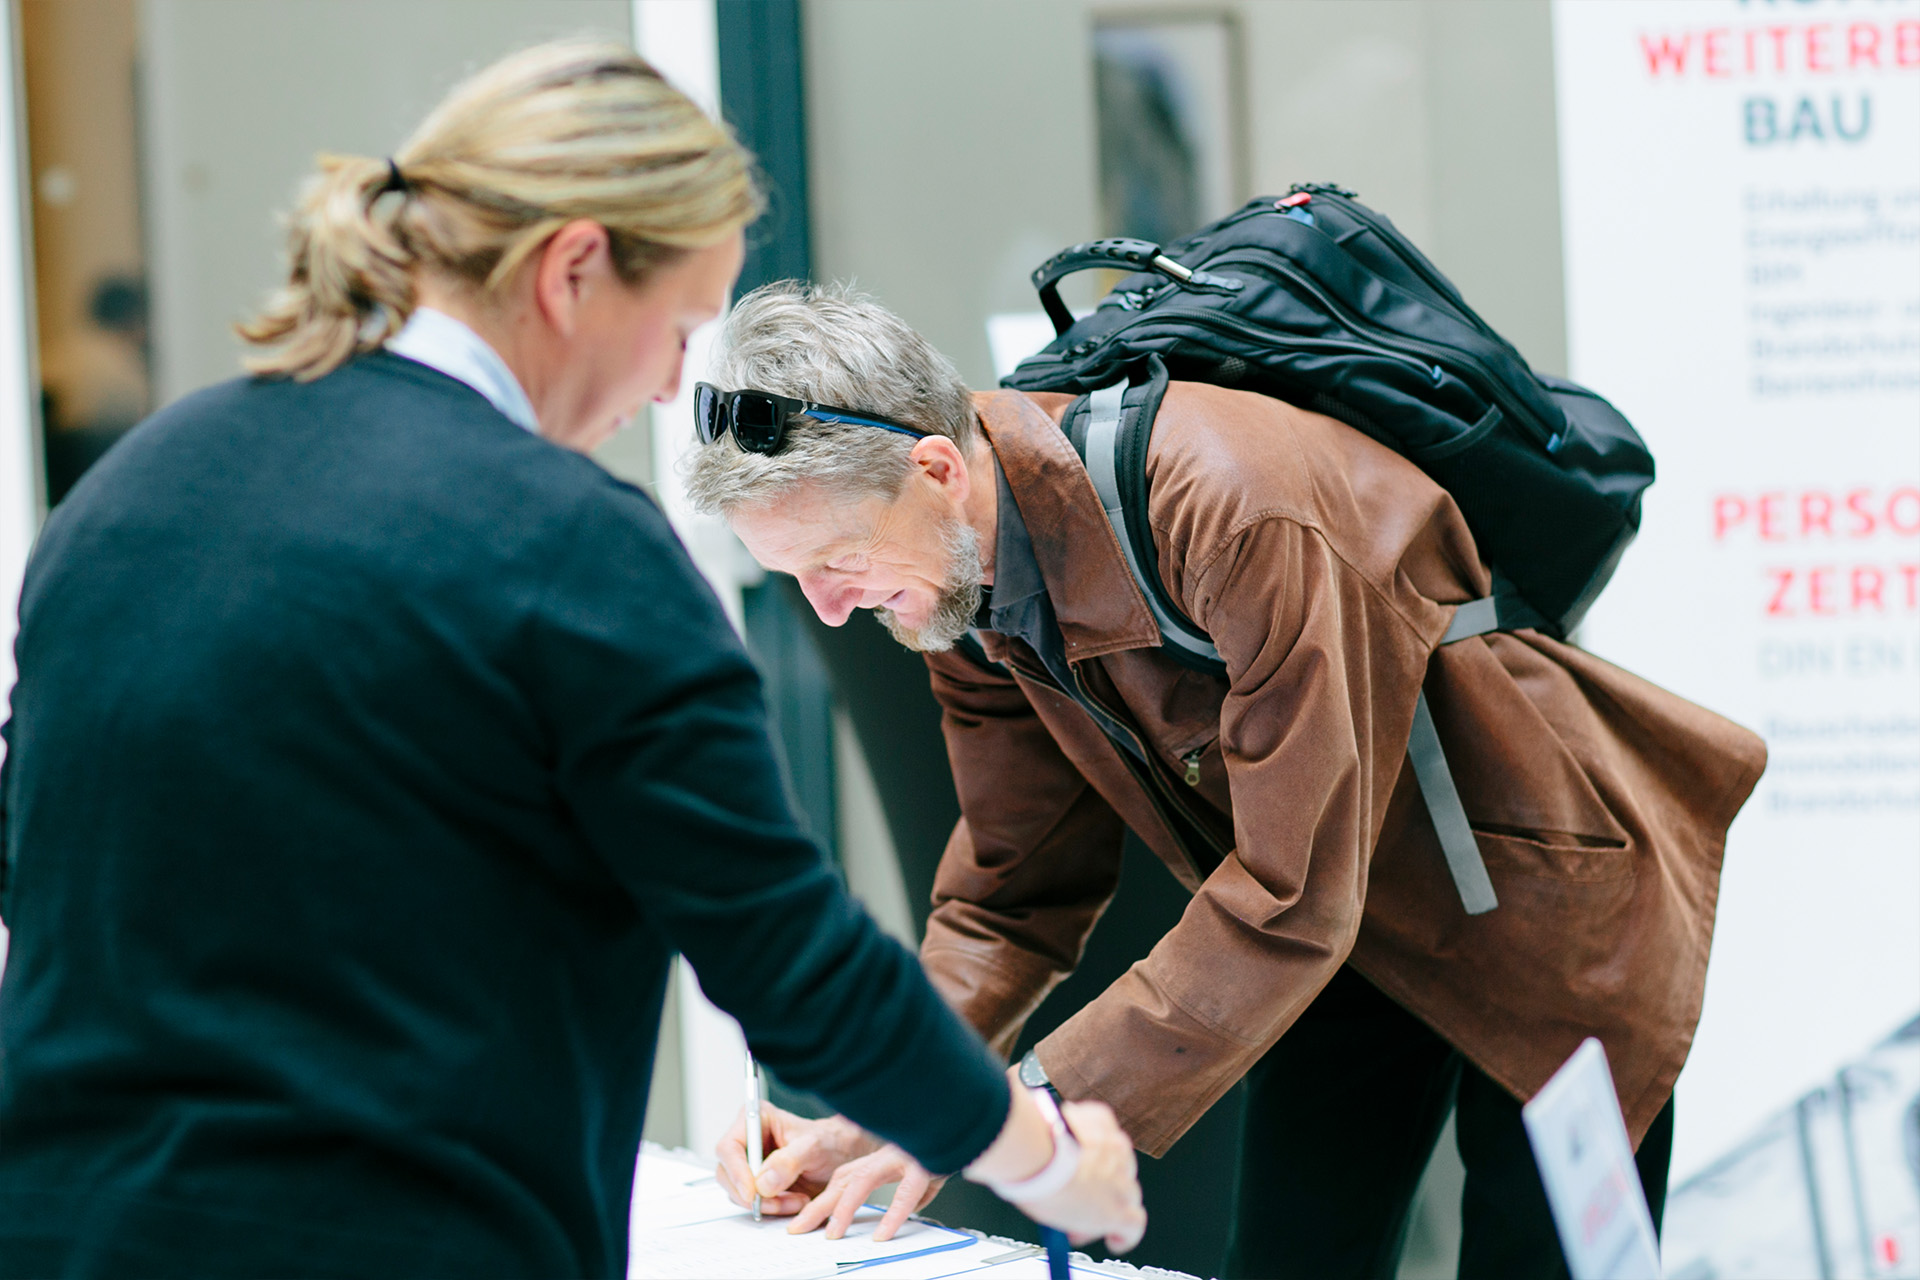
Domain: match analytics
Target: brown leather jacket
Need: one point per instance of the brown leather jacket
(1326, 569)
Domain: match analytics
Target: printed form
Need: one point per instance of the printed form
(685, 1228)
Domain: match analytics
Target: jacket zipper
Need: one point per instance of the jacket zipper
(1160, 793)
(1192, 761)
(1157, 781)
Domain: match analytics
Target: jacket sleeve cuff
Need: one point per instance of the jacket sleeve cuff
(1171, 1069)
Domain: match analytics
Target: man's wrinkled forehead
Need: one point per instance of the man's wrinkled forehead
(803, 529)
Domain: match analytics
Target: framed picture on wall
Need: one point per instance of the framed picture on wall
(1170, 110)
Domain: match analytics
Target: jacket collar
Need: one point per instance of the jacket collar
(1097, 602)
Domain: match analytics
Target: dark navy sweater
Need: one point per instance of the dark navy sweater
(369, 760)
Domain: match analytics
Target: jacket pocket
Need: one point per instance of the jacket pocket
(1565, 856)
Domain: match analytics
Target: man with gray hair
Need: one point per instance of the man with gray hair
(1325, 956)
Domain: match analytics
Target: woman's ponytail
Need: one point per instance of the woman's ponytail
(349, 287)
(571, 129)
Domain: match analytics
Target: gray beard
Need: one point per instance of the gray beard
(959, 601)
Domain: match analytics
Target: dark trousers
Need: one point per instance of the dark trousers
(1342, 1116)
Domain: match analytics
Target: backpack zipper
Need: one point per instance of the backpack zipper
(1492, 388)
(1245, 329)
(1347, 204)
(1192, 761)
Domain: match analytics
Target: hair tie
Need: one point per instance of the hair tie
(396, 181)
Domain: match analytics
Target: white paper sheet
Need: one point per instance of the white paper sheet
(1580, 1142)
(738, 1246)
(683, 1225)
(1035, 1268)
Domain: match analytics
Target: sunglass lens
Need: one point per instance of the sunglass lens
(706, 413)
(756, 423)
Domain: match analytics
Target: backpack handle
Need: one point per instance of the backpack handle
(1115, 253)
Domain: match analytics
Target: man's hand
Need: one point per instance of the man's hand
(854, 1181)
(802, 1155)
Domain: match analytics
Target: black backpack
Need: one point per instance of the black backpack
(1318, 300)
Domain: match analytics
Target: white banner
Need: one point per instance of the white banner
(1741, 195)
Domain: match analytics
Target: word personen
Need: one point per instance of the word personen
(1815, 518)
(1788, 515)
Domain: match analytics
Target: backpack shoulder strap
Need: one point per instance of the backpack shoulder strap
(1114, 433)
(1113, 445)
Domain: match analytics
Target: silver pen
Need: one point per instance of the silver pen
(754, 1152)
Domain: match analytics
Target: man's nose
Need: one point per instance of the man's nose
(834, 601)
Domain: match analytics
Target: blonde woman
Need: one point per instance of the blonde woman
(373, 751)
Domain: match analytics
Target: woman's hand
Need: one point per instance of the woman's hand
(802, 1156)
(1102, 1199)
(854, 1181)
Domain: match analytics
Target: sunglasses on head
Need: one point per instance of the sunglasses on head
(758, 419)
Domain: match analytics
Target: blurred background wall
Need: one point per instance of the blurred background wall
(238, 99)
(955, 146)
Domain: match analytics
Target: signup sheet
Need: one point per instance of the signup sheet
(685, 1228)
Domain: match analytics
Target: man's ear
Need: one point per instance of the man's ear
(575, 255)
(939, 459)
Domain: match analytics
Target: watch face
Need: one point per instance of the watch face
(1032, 1074)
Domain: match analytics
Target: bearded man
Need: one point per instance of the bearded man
(1326, 955)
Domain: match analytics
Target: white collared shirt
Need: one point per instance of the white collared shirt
(438, 341)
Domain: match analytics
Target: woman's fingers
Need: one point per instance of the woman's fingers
(907, 1197)
(783, 1205)
(1116, 1153)
(732, 1173)
(853, 1182)
(787, 1165)
(799, 1153)
(1092, 1121)
(1103, 1199)
(864, 1176)
(1106, 1145)
(815, 1211)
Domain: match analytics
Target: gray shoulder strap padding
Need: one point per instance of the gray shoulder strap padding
(1103, 445)
(1474, 618)
(1449, 816)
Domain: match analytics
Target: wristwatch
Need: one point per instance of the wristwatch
(1034, 1076)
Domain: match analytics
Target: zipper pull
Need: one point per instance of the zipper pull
(1192, 761)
